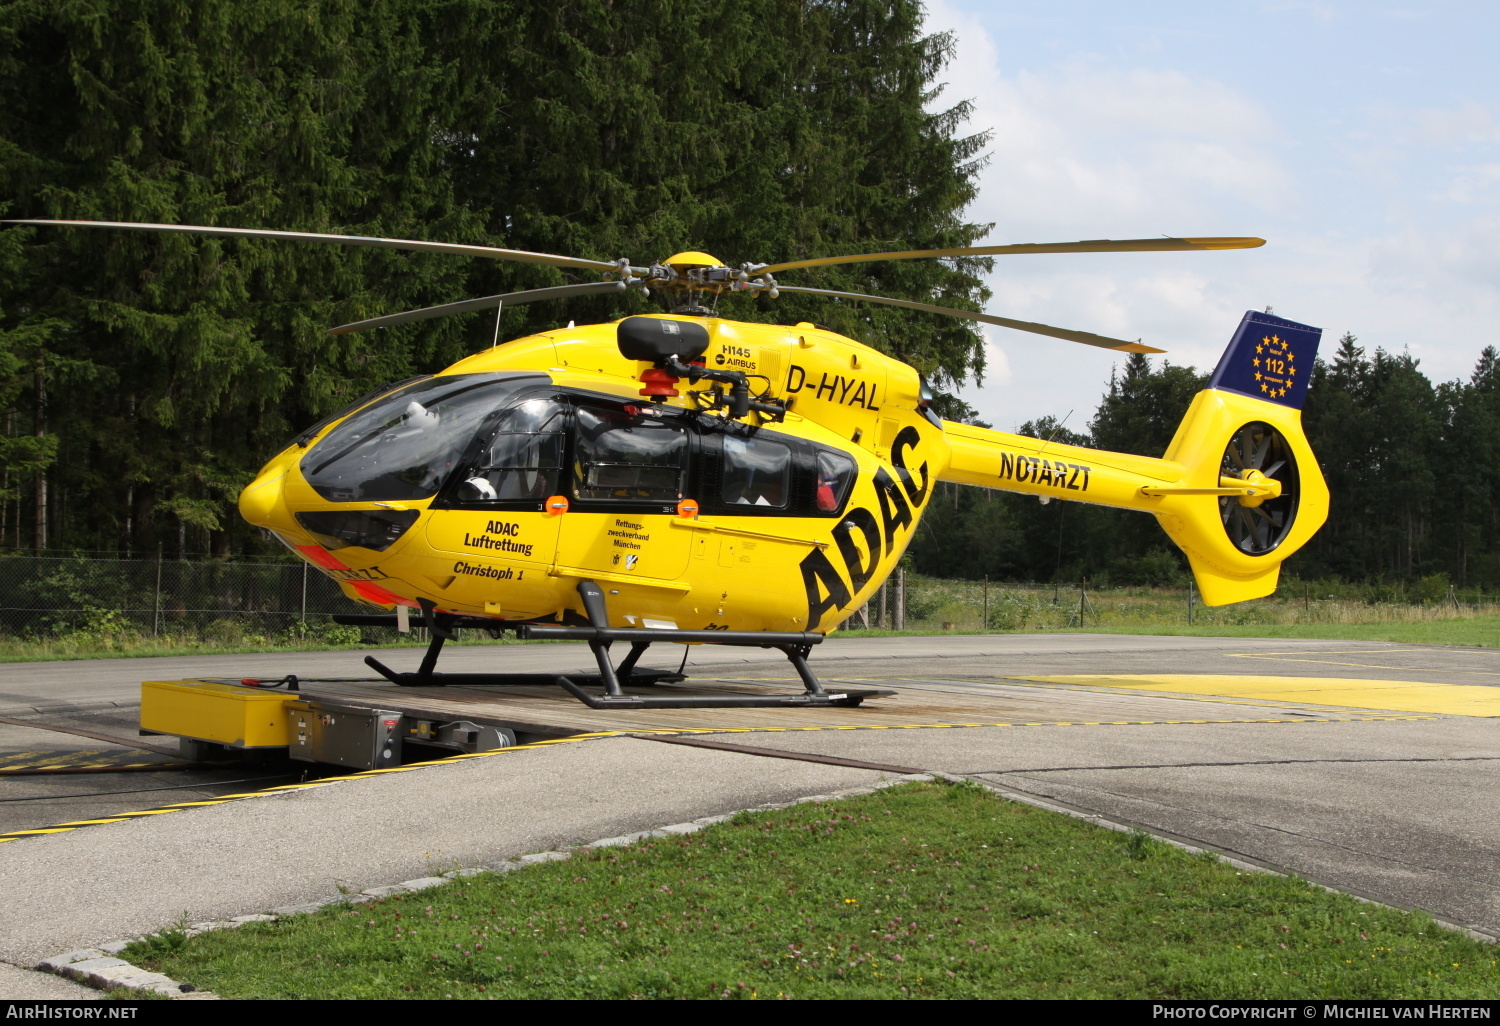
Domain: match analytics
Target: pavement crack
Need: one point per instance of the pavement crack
(777, 753)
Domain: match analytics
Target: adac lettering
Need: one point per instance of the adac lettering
(1072, 477)
(834, 388)
(861, 539)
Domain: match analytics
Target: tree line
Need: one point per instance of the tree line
(1413, 470)
(144, 378)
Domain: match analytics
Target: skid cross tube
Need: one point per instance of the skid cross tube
(795, 645)
(444, 626)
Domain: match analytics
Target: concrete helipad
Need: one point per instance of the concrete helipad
(1368, 767)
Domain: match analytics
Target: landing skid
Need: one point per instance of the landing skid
(795, 645)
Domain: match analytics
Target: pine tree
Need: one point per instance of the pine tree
(174, 365)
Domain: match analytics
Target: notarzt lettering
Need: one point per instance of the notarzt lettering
(1071, 477)
(345, 574)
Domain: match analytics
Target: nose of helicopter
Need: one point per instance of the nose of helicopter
(261, 497)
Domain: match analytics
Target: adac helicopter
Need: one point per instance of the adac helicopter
(687, 478)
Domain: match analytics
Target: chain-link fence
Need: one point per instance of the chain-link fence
(909, 602)
(46, 596)
(81, 597)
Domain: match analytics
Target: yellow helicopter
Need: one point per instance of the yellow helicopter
(687, 478)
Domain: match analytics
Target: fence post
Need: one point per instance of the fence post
(304, 591)
(1190, 600)
(901, 599)
(1083, 590)
(156, 601)
(986, 624)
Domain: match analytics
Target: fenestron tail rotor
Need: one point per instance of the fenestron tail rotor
(1259, 452)
(694, 274)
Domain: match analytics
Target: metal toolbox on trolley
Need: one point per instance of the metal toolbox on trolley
(341, 735)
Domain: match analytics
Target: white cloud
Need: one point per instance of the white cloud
(1381, 221)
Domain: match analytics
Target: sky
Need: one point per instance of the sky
(1361, 140)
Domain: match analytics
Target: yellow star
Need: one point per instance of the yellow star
(1291, 372)
(1257, 375)
(1291, 355)
(1254, 362)
(1265, 388)
(1283, 392)
(1262, 349)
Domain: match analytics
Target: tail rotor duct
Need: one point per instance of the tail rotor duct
(1257, 526)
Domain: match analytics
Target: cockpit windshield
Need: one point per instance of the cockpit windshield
(405, 446)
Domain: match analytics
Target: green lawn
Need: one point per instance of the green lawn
(926, 890)
(29, 651)
(1479, 631)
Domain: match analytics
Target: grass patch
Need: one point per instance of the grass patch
(926, 890)
(1474, 631)
(15, 650)
(1478, 631)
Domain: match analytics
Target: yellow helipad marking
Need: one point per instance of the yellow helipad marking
(1297, 657)
(1395, 695)
(101, 759)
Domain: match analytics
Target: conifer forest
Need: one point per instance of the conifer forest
(145, 378)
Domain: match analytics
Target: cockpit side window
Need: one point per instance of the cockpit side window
(523, 460)
(835, 477)
(622, 457)
(402, 447)
(756, 472)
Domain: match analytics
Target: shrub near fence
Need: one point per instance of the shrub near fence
(44, 597)
(932, 604)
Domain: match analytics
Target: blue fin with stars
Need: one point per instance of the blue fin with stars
(1271, 358)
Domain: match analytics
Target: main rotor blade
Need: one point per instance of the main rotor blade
(1091, 246)
(487, 303)
(518, 255)
(1102, 341)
